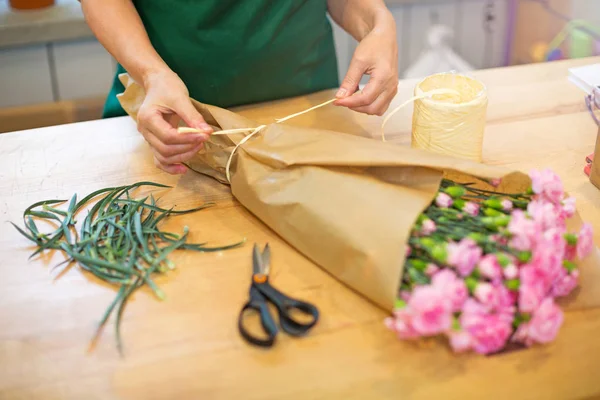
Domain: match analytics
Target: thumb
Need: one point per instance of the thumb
(188, 113)
(351, 80)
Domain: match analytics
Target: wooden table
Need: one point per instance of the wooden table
(188, 347)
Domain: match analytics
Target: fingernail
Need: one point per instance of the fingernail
(202, 137)
(206, 128)
(341, 93)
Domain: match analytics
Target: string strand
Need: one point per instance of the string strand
(258, 129)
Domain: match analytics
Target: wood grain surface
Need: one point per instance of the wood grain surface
(188, 347)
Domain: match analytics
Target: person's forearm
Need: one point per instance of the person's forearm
(119, 29)
(358, 17)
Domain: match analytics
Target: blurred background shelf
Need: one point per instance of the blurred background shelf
(50, 61)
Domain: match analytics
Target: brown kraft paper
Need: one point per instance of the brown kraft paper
(348, 203)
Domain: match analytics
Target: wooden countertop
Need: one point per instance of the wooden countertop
(188, 347)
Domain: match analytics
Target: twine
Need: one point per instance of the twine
(258, 129)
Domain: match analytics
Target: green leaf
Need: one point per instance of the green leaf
(22, 232)
(43, 215)
(41, 203)
(171, 211)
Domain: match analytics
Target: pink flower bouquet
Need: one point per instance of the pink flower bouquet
(484, 269)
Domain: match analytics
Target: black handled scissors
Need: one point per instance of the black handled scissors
(261, 291)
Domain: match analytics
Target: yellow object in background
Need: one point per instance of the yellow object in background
(452, 123)
(538, 52)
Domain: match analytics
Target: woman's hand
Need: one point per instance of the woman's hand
(377, 56)
(167, 101)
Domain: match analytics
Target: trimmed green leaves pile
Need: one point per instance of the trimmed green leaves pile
(119, 240)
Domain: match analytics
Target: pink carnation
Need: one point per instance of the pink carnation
(545, 214)
(585, 241)
(543, 326)
(460, 340)
(428, 227)
(524, 230)
(568, 207)
(490, 268)
(507, 205)
(401, 324)
(430, 311)
(464, 255)
(565, 283)
(443, 200)
(471, 208)
(511, 271)
(495, 297)
(535, 284)
(489, 332)
(452, 288)
(496, 182)
(550, 252)
(547, 184)
(431, 269)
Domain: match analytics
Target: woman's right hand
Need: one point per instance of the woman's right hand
(167, 101)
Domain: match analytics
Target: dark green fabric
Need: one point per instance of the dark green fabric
(234, 52)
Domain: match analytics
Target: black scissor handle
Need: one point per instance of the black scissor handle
(258, 303)
(286, 305)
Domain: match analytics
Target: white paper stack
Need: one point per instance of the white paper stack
(586, 78)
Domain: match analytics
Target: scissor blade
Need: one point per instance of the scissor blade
(257, 262)
(266, 259)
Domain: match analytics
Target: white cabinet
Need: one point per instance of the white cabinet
(83, 69)
(24, 76)
(480, 47)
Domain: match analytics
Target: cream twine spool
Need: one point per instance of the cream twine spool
(451, 123)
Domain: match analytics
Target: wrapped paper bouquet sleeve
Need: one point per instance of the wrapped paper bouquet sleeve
(348, 203)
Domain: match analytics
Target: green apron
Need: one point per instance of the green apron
(234, 52)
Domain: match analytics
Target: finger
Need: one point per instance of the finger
(352, 79)
(379, 106)
(179, 158)
(167, 134)
(371, 92)
(173, 169)
(186, 110)
(168, 150)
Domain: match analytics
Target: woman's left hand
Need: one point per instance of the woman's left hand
(376, 56)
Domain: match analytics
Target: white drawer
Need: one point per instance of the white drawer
(24, 76)
(83, 69)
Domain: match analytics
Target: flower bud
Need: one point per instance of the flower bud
(471, 284)
(503, 259)
(524, 256)
(569, 265)
(571, 239)
(502, 220)
(455, 191)
(399, 303)
(512, 284)
(417, 264)
(477, 237)
(427, 243)
(493, 202)
(490, 212)
(439, 253)
(459, 204)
